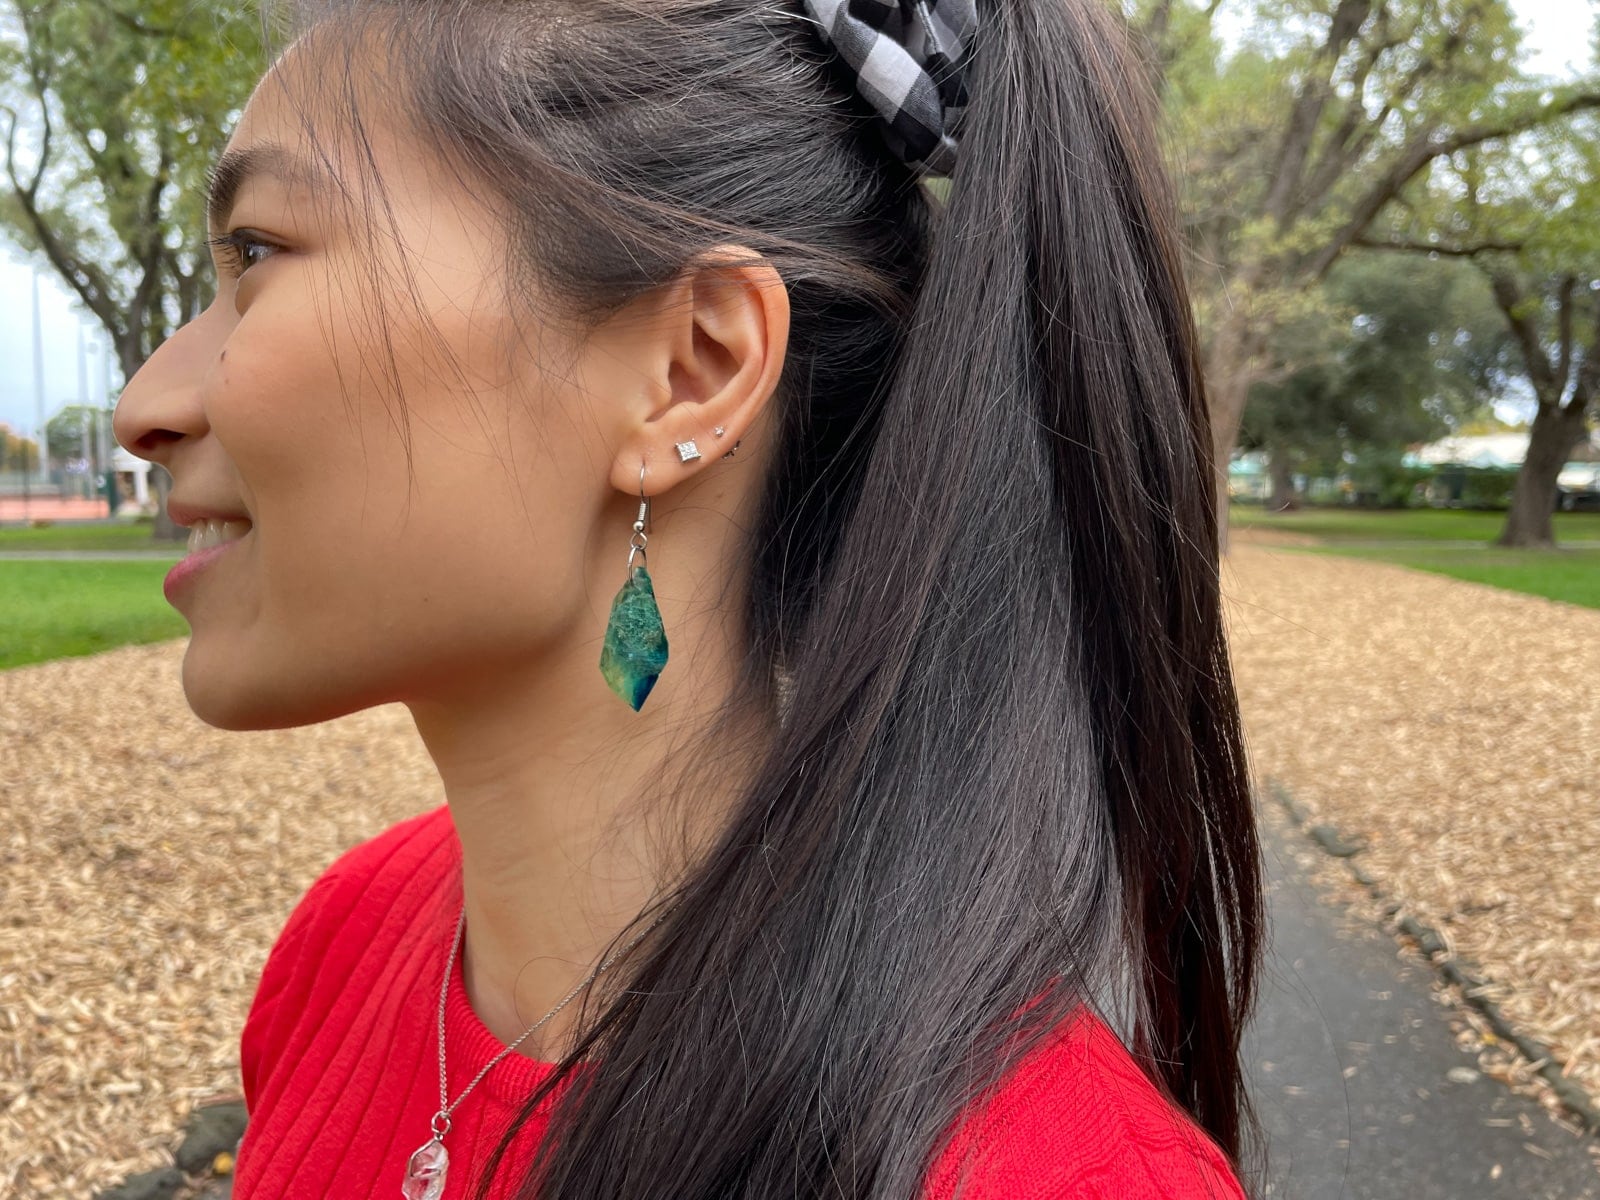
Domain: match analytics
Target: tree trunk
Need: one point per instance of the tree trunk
(166, 530)
(1283, 497)
(1556, 430)
(132, 357)
(1228, 386)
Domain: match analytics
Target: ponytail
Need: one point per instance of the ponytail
(1048, 444)
(1062, 233)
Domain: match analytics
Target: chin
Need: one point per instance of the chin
(226, 690)
(228, 695)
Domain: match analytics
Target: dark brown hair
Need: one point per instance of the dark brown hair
(1010, 768)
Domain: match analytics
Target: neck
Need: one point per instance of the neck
(566, 826)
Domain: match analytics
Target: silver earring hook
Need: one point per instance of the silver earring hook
(639, 538)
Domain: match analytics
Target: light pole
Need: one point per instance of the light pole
(102, 425)
(38, 382)
(85, 415)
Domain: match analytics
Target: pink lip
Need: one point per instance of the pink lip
(187, 567)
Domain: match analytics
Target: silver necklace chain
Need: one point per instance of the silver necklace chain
(445, 1107)
(425, 1173)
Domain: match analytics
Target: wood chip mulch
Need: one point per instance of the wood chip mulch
(1453, 731)
(148, 860)
(147, 864)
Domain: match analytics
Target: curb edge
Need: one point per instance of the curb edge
(1573, 1096)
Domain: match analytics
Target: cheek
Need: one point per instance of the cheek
(277, 408)
(378, 560)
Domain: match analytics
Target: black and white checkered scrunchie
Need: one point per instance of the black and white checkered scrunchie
(907, 57)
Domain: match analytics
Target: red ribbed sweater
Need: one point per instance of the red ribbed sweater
(341, 1071)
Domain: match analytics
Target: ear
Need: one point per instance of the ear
(713, 355)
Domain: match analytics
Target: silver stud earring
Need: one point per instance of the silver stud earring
(719, 431)
(687, 450)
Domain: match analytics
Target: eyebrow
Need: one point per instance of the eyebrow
(228, 175)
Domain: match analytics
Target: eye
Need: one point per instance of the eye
(239, 250)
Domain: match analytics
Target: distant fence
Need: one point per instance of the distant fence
(15, 483)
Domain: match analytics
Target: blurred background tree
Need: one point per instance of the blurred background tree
(112, 111)
(17, 452)
(1388, 357)
(1528, 217)
(1295, 141)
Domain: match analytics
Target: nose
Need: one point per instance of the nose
(161, 405)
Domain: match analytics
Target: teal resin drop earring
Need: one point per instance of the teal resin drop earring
(635, 647)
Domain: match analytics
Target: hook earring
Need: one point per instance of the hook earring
(635, 647)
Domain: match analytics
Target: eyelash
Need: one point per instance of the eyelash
(233, 246)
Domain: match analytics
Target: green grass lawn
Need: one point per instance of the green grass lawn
(1569, 575)
(63, 609)
(1408, 524)
(1462, 549)
(66, 535)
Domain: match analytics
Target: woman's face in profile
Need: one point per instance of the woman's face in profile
(387, 548)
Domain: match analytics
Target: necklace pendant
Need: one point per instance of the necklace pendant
(426, 1171)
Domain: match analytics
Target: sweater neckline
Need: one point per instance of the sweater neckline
(470, 1045)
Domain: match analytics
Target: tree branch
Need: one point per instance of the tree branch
(1587, 383)
(1508, 295)
(87, 280)
(1298, 133)
(1358, 127)
(1423, 149)
(1451, 251)
(1564, 331)
(146, 295)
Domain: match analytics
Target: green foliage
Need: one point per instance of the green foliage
(1385, 358)
(1288, 138)
(1381, 480)
(114, 111)
(65, 431)
(1488, 487)
(1529, 220)
(17, 453)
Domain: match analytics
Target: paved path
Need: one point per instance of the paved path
(1441, 544)
(174, 554)
(1349, 1058)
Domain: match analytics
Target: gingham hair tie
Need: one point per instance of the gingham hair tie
(908, 64)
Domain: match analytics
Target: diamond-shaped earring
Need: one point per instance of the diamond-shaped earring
(687, 450)
(635, 648)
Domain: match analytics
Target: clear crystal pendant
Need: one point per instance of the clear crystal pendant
(426, 1171)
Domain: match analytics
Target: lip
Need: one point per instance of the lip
(187, 568)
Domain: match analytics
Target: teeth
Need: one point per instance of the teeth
(205, 534)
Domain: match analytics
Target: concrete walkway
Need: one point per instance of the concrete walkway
(1443, 544)
(173, 555)
(1350, 1062)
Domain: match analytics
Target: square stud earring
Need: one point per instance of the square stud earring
(687, 450)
